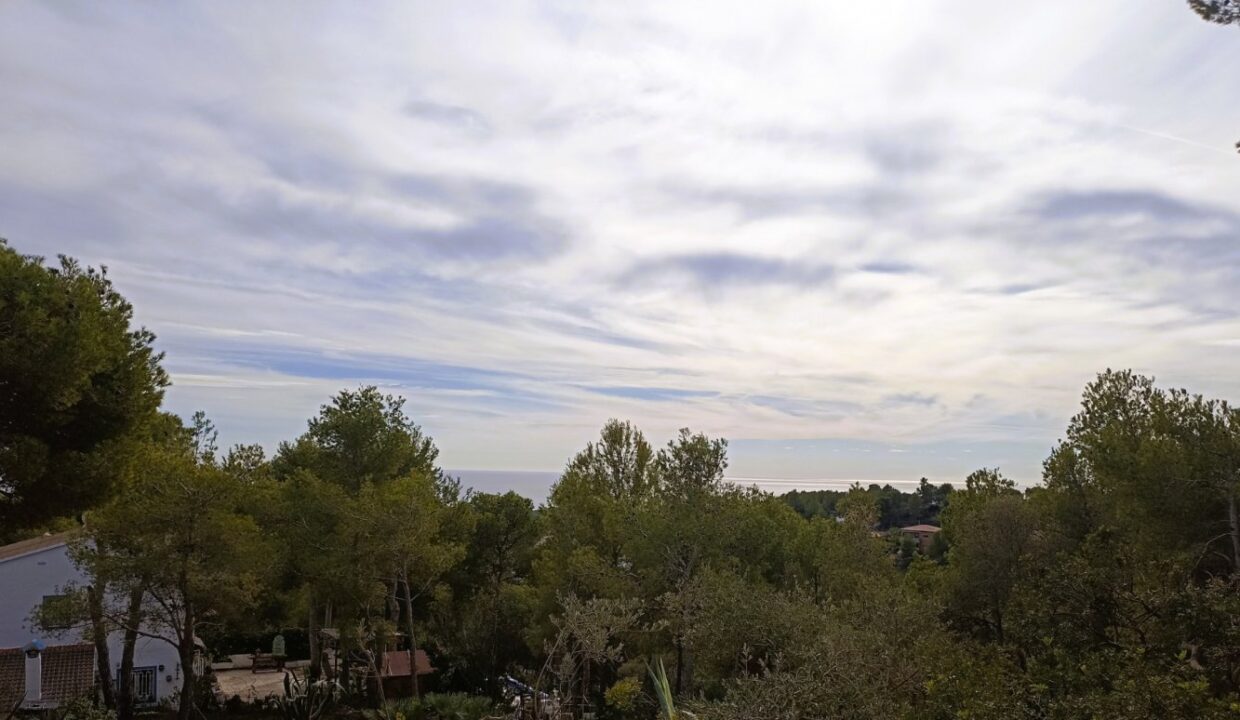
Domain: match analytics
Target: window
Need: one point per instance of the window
(56, 612)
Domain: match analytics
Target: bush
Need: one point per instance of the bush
(456, 706)
(623, 695)
(84, 708)
(399, 709)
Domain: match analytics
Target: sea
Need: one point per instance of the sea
(536, 484)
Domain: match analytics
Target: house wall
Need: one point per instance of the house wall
(25, 579)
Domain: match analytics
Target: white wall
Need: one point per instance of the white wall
(25, 579)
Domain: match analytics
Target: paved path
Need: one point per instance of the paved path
(250, 686)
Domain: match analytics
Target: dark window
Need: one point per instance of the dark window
(55, 612)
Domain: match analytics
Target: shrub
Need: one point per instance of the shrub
(623, 695)
(456, 706)
(399, 709)
(84, 708)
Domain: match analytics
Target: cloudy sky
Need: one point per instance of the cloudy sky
(861, 240)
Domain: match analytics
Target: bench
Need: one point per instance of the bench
(265, 661)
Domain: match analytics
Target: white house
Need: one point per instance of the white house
(42, 669)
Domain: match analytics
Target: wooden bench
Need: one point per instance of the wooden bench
(265, 661)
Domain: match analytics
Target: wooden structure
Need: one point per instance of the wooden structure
(395, 676)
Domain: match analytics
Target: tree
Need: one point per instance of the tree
(684, 529)
(989, 528)
(178, 534)
(1223, 12)
(395, 526)
(488, 602)
(590, 517)
(588, 634)
(76, 381)
(358, 440)
(359, 437)
(1164, 464)
(305, 519)
(840, 560)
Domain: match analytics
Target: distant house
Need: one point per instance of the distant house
(923, 534)
(31, 574)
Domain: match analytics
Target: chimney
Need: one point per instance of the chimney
(34, 673)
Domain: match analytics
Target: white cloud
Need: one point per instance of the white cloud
(791, 212)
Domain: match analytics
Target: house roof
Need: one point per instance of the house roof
(396, 663)
(12, 678)
(35, 544)
(921, 529)
(68, 673)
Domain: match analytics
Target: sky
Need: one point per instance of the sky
(862, 241)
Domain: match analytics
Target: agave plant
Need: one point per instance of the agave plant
(663, 691)
(304, 700)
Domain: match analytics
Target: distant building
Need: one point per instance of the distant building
(923, 534)
(394, 672)
(57, 666)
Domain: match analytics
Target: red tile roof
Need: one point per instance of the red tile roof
(396, 663)
(25, 547)
(12, 678)
(68, 673)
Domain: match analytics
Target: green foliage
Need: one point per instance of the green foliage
(406, 708)
(1223, 12)
(178, 534)
(481, 611)
(456, 706)
(895, 508)
(76, 382)
(83, 708)
(989, 527)
(359, 437)
(305, 700)
(623, 694)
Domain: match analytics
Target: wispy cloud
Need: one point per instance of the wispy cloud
(872, 227)
(721, 270)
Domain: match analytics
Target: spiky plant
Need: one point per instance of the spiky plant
(304, 700)
(663, 691)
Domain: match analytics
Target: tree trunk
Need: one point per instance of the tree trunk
(689, 668)
(1234, 516)
(413, 638)
(680, 663)
(316, 655)
(374, 672)
(185, 709)
(125, 701)
(585, 684)
(99, 631)
(394, 605)
(495, 687)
